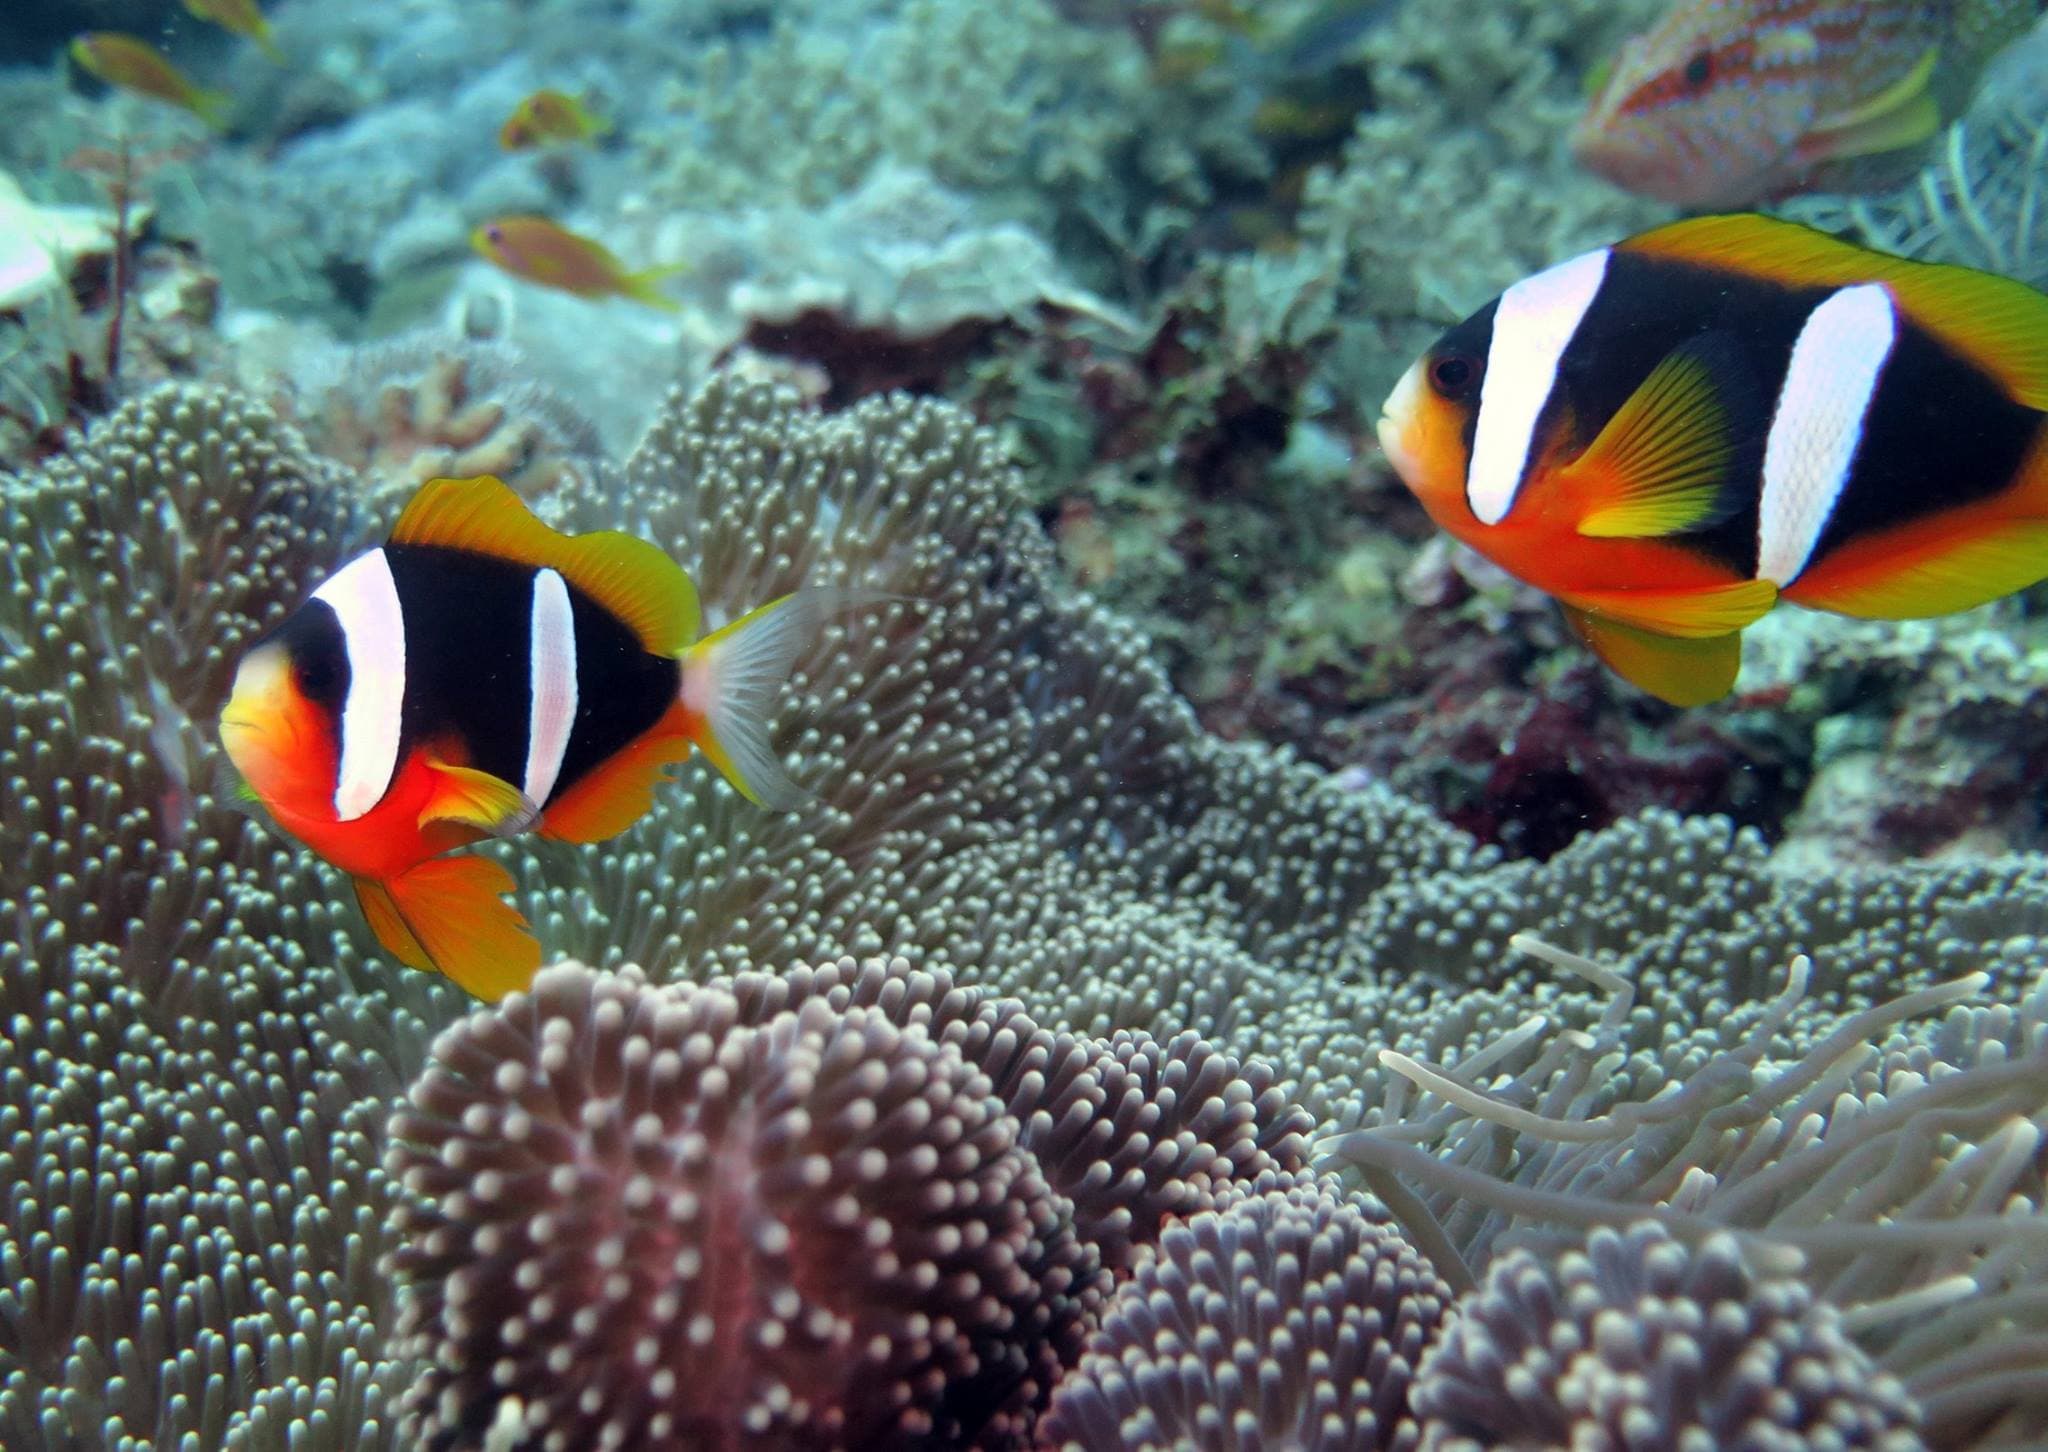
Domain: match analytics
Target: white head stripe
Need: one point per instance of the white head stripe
(1819, 420)
(551, 708)
(1532, 327)
(364, 598)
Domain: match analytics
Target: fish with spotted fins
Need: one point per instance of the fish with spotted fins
(481, 675)
(1725, 103)
(1672, 434)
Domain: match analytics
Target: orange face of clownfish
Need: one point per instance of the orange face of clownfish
(481, 675)
(1671, 434)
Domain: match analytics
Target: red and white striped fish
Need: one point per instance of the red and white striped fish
(1674, 433)
(1725, 103)
(481, 675)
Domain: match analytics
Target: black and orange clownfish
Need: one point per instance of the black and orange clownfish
(482, 675)
(1674, 433)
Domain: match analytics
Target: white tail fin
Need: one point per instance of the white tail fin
(731, 679)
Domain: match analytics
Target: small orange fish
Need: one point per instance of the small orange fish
(481, 675)
(243, 18)
(544, 252)
(548, 117)
(135, 65)
(1675, 433)
(1725, 103)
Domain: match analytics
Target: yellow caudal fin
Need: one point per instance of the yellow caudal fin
(732, 679)
(449, 915)
(1685, 672)
(645, 285)
(628, 576)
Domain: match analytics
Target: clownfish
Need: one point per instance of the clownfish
(482, 675)
(1671, 434)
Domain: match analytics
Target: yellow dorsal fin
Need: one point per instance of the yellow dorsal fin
(489, 803)
(1683, 672)
(1902, 114)
(1661, 464)
(1687, 614)
(627, 576)
(2000, 325)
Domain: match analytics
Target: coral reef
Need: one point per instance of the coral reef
(201, 1050)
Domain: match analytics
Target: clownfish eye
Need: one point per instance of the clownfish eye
(1451, 375)
(1699, 70)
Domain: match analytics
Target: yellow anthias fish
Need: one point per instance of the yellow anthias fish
(135, 65)
(547, 253)
(548, 117)
(243, 18)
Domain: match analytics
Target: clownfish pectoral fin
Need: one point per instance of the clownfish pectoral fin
(1686, 614)
(615, 795)
(449, 915)
(1903, 114)
(1905, 586)
(1998, 323)
(732, 679)
(1662, 465)
(629, 577)
(478, 799)
(1684, 672)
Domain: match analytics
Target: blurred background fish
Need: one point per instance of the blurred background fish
(1729, 102)
(243, 18)
(135, 65)
(544, 251)
(550, 117)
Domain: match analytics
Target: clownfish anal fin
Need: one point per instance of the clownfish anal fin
(618, 793)
(1664, 464)
(1908, 585)
(449, 915)
(477, 799)
(627, 576)
(1683, 672)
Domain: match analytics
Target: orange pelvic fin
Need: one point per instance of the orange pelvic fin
(1687, 614)
(1685, 672)
(617, 794)
(449, 914)
(1661, 465)
(629, 577)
